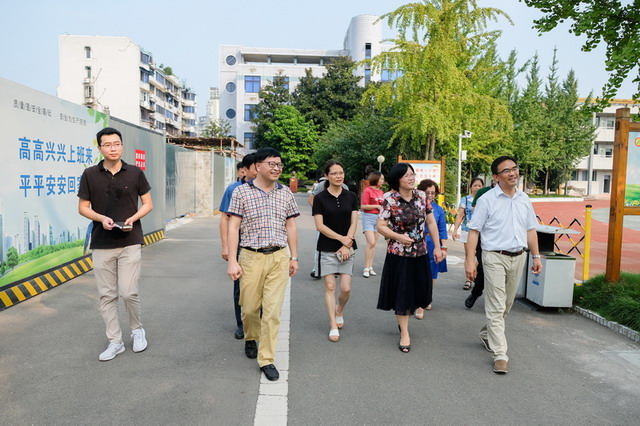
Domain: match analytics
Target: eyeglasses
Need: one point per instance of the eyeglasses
(109, 145)
(336, 174)
(508, 171)
(273, 164)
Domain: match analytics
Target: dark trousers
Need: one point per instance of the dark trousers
(478, 287)
(236, 302)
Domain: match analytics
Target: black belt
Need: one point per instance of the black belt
(509, 253)
(264, 250)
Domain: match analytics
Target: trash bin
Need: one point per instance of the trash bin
(553, 287)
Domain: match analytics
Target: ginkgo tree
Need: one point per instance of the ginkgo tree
(440, 45)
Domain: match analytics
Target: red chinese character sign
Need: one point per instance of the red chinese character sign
(426, 169)
(141, 159)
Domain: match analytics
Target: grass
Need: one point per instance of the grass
(632, 195)
(619, 302)
(41, 264)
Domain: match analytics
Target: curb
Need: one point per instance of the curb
(612, 325)
(46, 280)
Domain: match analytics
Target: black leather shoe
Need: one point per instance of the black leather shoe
(314, 276)
(270, 372)
(251, 349)
(471, 300)
(239, 334)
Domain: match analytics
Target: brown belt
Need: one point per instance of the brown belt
(509, 253)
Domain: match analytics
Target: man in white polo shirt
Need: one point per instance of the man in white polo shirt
(505, 218)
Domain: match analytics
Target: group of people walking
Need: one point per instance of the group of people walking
(259, 241)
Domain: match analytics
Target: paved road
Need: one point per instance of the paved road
(564, 368)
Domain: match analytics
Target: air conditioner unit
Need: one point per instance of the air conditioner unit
(86, 81)
(88, 100)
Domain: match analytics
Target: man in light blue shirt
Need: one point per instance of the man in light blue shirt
(248, 171)
(505, 218)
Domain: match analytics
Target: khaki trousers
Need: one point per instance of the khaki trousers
(262, 287)
(501, 277)
(117, 272)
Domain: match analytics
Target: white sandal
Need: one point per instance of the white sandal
(365, 273)
(334, 335)
(372, 272)
(340, 321)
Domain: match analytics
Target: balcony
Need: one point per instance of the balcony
(604, 134)
(600, 162)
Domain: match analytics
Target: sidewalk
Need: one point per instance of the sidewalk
(564, 368)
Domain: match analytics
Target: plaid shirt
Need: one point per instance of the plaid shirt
(263, 214)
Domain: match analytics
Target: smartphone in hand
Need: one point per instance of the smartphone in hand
(125, 228)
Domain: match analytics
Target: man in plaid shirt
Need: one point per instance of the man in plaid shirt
(263, 212)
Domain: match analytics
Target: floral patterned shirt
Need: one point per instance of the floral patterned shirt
(406, 217)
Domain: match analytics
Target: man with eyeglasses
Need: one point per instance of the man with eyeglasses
(247, 171)
(108, 195)
(505, 218)
(263, 213)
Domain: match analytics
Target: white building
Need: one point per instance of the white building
(601, 158)
(114, 75)
(244, 70)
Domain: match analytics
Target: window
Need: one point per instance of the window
(252, 83)
(248, 139)
(144, 58)
(594, 175)
(189, 109)
(584, 175)
(88, 91)
(384, 75)
(144, 76)
(87, 52)
(87, 72)
(231, 113)
(608, 152)
(367, 76)
(286, 82)
(230, 87)
(231, 60)
(249, 112)
(367, 50)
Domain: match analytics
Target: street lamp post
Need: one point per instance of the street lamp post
(380, 161)
(465, 134)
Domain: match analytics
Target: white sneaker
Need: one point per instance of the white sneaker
(365, 273)
(372, 272)
(112, 350)
(139, 341)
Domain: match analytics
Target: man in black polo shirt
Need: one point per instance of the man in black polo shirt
(108, 195)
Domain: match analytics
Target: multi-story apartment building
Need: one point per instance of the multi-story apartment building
(213, 109)
(244, 70)
(592, 175)
(114, 75)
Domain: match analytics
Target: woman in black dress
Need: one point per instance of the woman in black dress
(406, 277)
(335, 212)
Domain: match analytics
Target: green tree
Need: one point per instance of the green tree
(610, 22)
(435, 99)
(357, 144)
(219, 128)
(332, 97)
(295, 138)
(529, 119)
(12, 258)
(272, 96)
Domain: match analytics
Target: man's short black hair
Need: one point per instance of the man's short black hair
(108, 131)
(239, 166)
(249, 160)
(264, 153)
(497, 161)
(396, 173)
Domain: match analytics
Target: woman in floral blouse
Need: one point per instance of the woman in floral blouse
(406, 277)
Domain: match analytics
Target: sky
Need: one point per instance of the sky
(185, 35)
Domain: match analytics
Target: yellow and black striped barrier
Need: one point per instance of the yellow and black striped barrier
(34, 285)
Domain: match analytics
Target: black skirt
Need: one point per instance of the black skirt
(405, 284)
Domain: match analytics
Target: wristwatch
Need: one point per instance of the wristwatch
(535, 256)
(296, 259)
